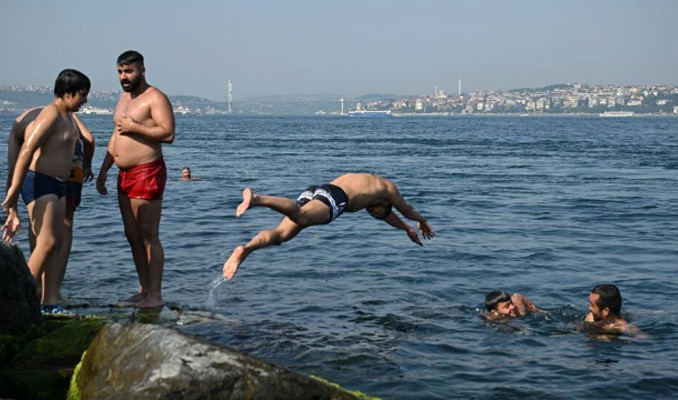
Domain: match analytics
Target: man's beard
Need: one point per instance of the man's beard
(133, 85)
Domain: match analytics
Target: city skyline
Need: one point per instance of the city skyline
(350, 49)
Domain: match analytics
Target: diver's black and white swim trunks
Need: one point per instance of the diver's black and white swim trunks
(333, 197)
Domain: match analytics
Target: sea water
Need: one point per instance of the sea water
(545, 206)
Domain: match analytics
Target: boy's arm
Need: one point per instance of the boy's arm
(88, 145)
(523, 303)
(43, 127)
(13, 147)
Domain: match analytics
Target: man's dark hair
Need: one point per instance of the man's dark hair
(130, 57)
(493, 299)
(71, 82)
(608, 296)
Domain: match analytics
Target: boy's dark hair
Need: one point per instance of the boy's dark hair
(130, 57)
(494, 298)
(71, 82)
(609, 296)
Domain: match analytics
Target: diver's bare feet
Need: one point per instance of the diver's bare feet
(231, 265)
(135, 298)
(150, 302)
(247, 197)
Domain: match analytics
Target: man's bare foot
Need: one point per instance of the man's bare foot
(231, 265)
(135, 298)
(149, 302)
(247, 197)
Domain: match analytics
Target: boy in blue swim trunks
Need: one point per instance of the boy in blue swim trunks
(322, 204)
(41, 179)
(80, 172)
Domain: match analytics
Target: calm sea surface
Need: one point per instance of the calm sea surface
(545, 206)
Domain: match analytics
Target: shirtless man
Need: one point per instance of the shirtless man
(323, 204)
(42, 167)
(81, 171)
(501, 305)
(605, 303)
(143, 122)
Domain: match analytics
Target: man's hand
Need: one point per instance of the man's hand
(426, 230)
(414, 237)
(101, 183)
(125, 124)
(89, 175)
(12, 226)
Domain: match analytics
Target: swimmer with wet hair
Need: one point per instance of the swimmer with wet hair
(500, 305)
(605, 303)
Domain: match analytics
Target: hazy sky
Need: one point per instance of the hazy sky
(342, 47)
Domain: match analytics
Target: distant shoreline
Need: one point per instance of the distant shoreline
(394, 115)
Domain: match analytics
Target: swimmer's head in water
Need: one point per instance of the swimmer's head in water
(186, 173)
(605, 301)
(499, 302)
(379, 211)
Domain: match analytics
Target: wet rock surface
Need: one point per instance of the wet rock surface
(145, 361)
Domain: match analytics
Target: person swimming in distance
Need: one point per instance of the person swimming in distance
(186, 175)
(500, 305)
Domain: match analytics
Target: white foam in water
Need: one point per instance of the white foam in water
(211, 302)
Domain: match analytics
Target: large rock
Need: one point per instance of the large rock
(19, 302)
(144, 361)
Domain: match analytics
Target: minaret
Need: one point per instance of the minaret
(342, 105)
(459, 88)
(230, 96)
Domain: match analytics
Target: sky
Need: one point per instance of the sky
(344, 48)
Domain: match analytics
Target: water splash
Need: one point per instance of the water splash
(211, 302)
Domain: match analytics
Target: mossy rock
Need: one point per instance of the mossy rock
(39, 364)
(360, 395)
(63, 344)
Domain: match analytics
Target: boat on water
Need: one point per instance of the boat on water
(95, 110)
(616, 114)
(367, 113)
(181, 110)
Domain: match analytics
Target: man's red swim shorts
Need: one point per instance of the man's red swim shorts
(145, 181)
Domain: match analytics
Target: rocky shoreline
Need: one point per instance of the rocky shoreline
(93, 357)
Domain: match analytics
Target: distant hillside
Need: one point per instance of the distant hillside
(16, 99)
(544, 89)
